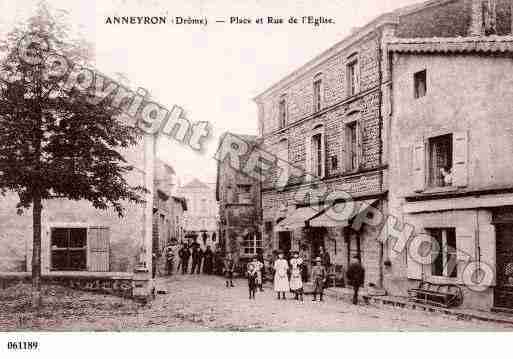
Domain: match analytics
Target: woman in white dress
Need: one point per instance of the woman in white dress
(281, 279)
(296, 283)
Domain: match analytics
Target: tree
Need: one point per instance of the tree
(54, 142)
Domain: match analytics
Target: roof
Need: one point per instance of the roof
(386, 18)
(452, 45)
(196, 183)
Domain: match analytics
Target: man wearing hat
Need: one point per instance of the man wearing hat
(319, 278)
(355, 277)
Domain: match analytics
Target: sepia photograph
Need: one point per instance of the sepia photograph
(302, 167)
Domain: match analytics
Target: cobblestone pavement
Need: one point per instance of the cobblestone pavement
(196, 302)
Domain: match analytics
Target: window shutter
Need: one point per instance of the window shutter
(460, 159)
(465, 244)
(359, 141)
(357, 75)
(323, 154)
(419, 166)
(308, 159)
(99, 244)
(415, 270)
(345, 152)
(486, 252)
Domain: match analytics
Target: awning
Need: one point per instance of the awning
(296, 220)
(338, 215)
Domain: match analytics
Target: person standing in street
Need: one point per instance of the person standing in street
(319, 279)
(281, 279)
(208, 260)
(296, 283)
(196, 259)
(184, 253)
(170, 258)
(229, 268)
(325, 258)
(261, 272)
(252, 274)
(355, 277)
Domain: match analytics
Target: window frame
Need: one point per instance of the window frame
(255, 244)
(318, 130)
(317, 93)
(350, 144)
(432, 177)
(352, 75)
(446, 251)
(68, 249)
(282, 112)
(417, 76)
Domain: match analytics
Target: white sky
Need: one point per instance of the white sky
(213, 71)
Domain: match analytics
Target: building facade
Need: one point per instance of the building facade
(374, 120)
(240, 222)
(87, 247)
(201, 219)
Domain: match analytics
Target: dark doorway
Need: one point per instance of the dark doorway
(504, 247)
(285, 243)
(316, 240)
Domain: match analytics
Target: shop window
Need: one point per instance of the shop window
(440, 161)
(420, 84)
(444, 259)
(252, 244)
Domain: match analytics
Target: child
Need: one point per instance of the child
(319, 277)
(281, 279)
(229, 267)
(252, 278)
(259, 267)
(296, 283)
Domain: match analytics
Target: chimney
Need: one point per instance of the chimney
(483, 18)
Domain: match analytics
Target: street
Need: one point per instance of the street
(197, 302)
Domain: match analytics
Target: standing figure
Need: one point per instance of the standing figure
(252, 278)
(196, 259)
(305, 255)
(229, 268)
(319, 278)
(261, 272)
(208, 260)
(355, 277)
(281, 279)
(170, 258)
(325, 258)
(296, 283)
(184, 253)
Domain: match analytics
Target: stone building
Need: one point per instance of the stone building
(335, 117)
(168, 215)
(201, 219)
(240, 221)
(94, 248)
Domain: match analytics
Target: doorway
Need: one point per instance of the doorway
(503, 296)
(316, 240)
(285, 243)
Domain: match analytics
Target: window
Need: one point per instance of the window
(444, 259)
(440, 161)
(317, 95)
(352, 78)
(334, 163)
(352, 145)
(252, 244)
(69, 249)
(283, 113)
(420, 85)
(204, 207)
(283, 164)
(244, 192)
(317, 154)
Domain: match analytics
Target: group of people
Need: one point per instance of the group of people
(190, 253)
(289, 275)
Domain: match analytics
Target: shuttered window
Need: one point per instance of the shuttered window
(99, 246)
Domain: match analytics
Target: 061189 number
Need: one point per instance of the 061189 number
(22, 345)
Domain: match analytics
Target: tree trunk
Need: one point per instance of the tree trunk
(36, 251)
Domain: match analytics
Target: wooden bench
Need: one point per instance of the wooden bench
(443, 295)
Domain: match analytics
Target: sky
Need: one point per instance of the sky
(212, 71)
